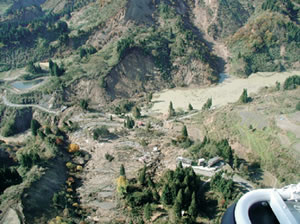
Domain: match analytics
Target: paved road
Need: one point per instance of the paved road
(236, 178)
(7, 103)
(244, 183)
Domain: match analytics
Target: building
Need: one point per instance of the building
(213, 161)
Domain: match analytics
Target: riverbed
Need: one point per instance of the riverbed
(228, 90)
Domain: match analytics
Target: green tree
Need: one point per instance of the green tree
(190, 107)
(193, 207)
(166, 196)
(142, 176)
(122, 170)
(235, 162)
(82, 53)
(136, 112)
(129, 123)
(35, 125)
(291, 82)
(171, 110)
(83, 104)
(55, 69)
(51, 66)
(147, 212)
(208, 104)
(34, 69)
(184, 132)
(149, 97)
(187, 196)
(101, 132)
(178, 204)
(244, 97)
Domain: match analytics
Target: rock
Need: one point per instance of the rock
(11, 217)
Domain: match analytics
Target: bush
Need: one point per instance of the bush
(83, 104)
(291, 82)
(101, 132)
(109, 157)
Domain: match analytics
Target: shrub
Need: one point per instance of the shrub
(291, 82)
(101, 132)
(109, 157)
(83, 104)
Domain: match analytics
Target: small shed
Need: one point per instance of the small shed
(201, 162)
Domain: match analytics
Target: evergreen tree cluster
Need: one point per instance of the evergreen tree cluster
(129, 123)
(207, 104)
(222, 185)
(182, 191)
(209, 148)
(291, 82)
(34, 69)
(84, 52)
(141, 192)
(244, 97)
(55, 70)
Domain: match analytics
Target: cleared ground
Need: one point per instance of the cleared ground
(226, 92)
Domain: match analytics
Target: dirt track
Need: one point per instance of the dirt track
(226, 92)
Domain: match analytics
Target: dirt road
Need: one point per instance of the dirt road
(9, 104)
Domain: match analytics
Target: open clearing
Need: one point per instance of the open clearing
(226, 92)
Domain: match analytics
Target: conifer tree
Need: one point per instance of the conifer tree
(193, 207)
(142, 176)
(187, 197)
(171, 110)
(208, 104)
(190, 107)
(122, 170)
(166, 196)
(244, 97)
(184, 132)
(136, 112)
(35, 125)
(178, 204)
(147, 212)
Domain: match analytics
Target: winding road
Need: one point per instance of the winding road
(9, 104)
